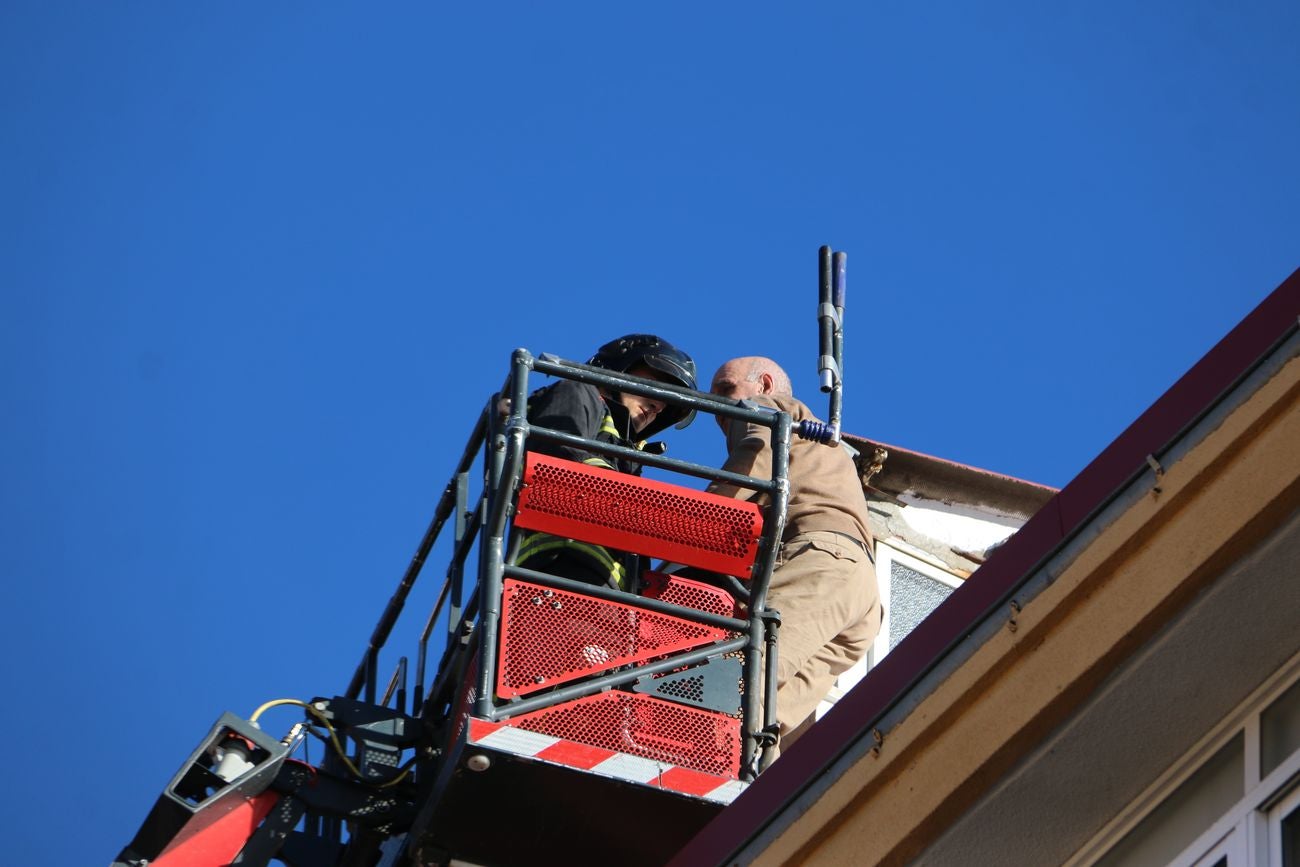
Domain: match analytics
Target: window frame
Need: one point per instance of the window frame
(889, 552)
(886, 554)
(1246, 831)
(1280, 808)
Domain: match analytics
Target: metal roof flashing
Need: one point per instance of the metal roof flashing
(1063, 524)
(904, 471)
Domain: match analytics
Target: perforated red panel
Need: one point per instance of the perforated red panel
(647, 727)
(689, 594)
(550, 637)
(465, 700)
(644, 516)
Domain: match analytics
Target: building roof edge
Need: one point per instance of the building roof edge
(1186, 401)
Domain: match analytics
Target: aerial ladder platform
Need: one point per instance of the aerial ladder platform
(563, 722)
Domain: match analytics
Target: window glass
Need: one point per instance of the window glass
(1191, 808)
(912, 597)
(1279, 729)
(1291, 839)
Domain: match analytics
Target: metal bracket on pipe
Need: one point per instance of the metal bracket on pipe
(830, 372)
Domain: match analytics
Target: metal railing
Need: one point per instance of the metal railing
(481, 520)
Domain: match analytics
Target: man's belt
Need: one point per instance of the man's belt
(849, 536)
(866, 549)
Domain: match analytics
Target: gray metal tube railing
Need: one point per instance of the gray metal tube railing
(652, 460)
(506, 459)
(773, 530)
(364, 672)
(502, 434)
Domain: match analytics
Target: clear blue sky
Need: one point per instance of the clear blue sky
(262, 264)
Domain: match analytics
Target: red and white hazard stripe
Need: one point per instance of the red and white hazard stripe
(503, 737)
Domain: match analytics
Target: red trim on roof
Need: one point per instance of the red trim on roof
(853, 716)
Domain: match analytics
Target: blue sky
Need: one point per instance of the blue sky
(263, 263)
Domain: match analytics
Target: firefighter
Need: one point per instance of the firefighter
(610, 416)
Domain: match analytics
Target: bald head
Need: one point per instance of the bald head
(750, 376)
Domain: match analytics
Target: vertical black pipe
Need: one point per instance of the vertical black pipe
(401, 685)
(457, 576)
(837, 346)
(825, 322)
(421, 657)
(769, 707)
(372, 673)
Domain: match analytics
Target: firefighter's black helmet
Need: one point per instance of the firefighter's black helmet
(632, 349)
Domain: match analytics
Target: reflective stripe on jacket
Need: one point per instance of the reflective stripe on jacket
(580, 409)
(597, 556)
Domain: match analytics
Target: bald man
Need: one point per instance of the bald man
(824, 580)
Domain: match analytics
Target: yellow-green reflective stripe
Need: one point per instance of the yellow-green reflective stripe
(539, 543)
(598, 462)
(607, 427)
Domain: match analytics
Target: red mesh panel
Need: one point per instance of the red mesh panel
(647, 727)
(550, 637)
(702, 597)
(464, 704)
(689, 594)
(646, 517)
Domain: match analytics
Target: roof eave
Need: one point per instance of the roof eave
(852, 719)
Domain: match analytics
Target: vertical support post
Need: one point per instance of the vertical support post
(505, 466)
(401, 685)
(826, 369)
(760, 704)
(372, 673)
(421, 654)
(839, 278)
(457, 575)
(831, 278)
(398, 600)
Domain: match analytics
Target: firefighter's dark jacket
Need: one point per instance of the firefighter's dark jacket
(578, 408)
